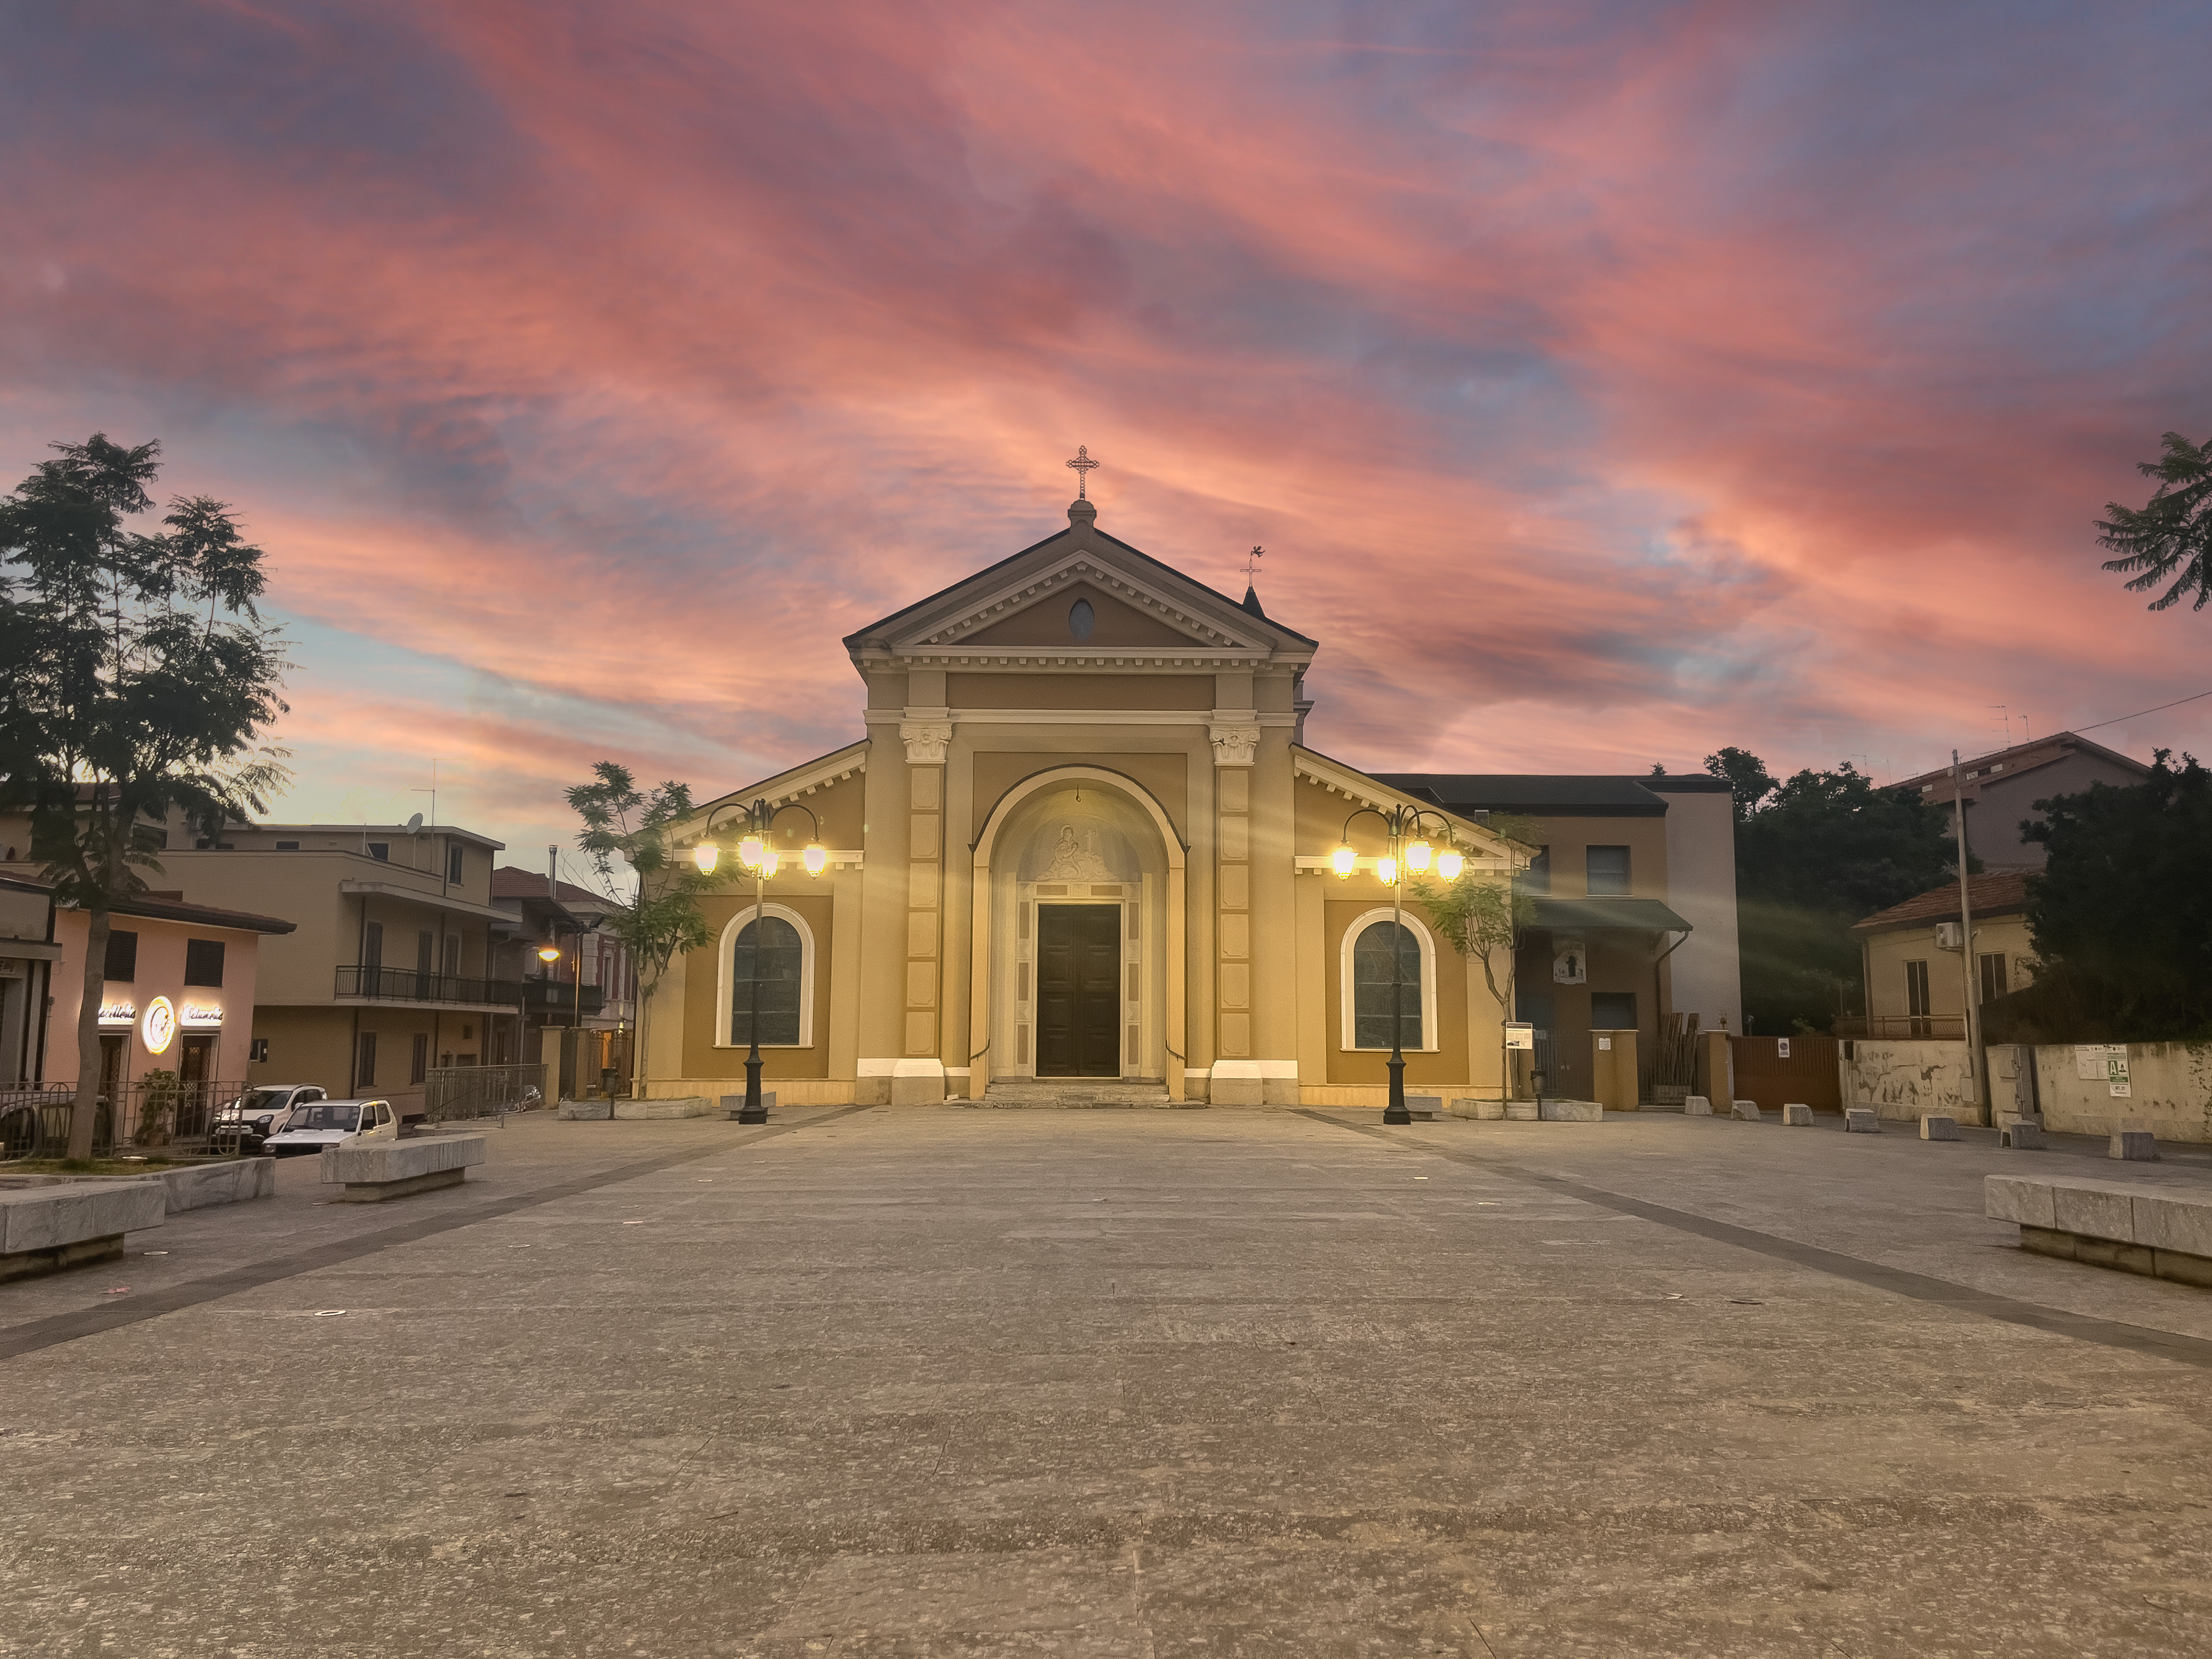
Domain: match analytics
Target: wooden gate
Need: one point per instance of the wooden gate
(1806, 1073)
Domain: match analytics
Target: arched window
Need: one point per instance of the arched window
(773, 951)
(1367, 978)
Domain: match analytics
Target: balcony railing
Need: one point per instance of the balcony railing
(1940, 1028)
(409, 985)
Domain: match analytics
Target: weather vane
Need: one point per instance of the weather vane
(1082, 464)
(1252, 565)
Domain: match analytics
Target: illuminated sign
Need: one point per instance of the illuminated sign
(201, 1017)
(159, 1028)
(121, 1012)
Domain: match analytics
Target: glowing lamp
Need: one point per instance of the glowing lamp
(1386, 871)
(1344, 860)
(548, 953)
(1449, 863)
(767, 861)
(816, 857)
(706, 855)
(1418, 855)
(749, 850)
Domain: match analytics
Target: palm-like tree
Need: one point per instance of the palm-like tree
(2170, 532)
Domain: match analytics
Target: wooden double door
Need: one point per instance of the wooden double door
(1078, 990)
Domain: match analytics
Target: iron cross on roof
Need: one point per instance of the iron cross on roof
(1252, 565)
(1082, 464)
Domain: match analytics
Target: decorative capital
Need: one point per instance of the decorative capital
(1233, 741)
(925, 741)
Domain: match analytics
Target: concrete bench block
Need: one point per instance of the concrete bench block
(2161, 1231)
(1796, 1112)
(1483, 1111)
(732, 1105)
(234, 1181)
(639, 1111)
(1573, 1111)
(46, 1228)
(2024, 1133)
(2135, 1146)
(585, 1111)
(1747, 1111)
(1938, 1125)
(375, 1171)
(1425, 1108)
(1862, 1121)
(1521, 1111)
(1697, 1106)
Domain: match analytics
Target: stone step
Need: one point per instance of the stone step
(1078, 1094)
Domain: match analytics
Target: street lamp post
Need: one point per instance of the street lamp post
(757, 853)
(1398, 824)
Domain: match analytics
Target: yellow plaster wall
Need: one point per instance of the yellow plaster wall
(703, 982)
(1150, 693)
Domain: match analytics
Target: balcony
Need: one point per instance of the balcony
(373, 984)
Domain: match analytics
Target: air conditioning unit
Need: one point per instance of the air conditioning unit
(1947, 936)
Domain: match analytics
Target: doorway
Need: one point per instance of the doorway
(1078, 990)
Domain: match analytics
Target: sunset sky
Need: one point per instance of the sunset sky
(1608, 383)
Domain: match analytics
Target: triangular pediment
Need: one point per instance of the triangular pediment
(1080, 593)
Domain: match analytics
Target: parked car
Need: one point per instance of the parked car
(246, 1123)
(316, 1124)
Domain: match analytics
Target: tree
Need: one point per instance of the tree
(2171, 531)
(2123, 909)
(1747, 777)
(661, 917)
(1814, 854)
(141, 682)
(1478, 915)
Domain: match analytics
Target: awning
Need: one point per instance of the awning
(1585, 914)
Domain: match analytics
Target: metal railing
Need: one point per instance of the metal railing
(155, 1114)
(455, 1093)
(1942, 1028)
(377, 984)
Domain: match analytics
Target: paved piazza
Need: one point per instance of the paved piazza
(967, 1382)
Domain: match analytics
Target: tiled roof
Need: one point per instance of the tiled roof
(1996, 893)
(508, 882)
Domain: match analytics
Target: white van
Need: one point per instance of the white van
(316, 1124)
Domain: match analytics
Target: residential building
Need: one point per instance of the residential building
(2001, 791)
(1634, 891)
(179, 980)
(1911, 955)
(389, 971)
(591, 986)
(28, 950)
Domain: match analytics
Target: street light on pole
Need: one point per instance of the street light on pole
(1409, 849)
(757, 853)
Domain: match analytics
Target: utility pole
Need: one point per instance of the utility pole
(1969, 982)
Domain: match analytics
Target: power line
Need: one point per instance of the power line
(2139, 713)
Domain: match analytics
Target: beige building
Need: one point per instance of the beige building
(1083, 841)
(388, 972)
(1911, 954)
(28, 950)
(2001, 791)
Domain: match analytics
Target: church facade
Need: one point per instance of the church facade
(1082, 839)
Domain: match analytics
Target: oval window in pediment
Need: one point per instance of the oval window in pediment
(1081, 618)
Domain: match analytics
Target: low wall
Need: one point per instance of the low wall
(789, 1090)
(2168, 1089)
(1902, 1079)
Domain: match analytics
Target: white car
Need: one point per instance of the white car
(316, 1124)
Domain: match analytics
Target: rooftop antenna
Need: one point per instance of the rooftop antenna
(2004, 714)
(415, 825)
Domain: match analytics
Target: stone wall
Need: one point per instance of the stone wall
(1902, 1079)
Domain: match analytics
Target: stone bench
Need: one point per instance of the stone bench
(1425, 1108)
(1573, 1111)
(2163, 1232)
(46, 1228)
(1475, 1107)
(375, 1171)
(685, 1106)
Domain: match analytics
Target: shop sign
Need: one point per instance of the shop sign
(201, 1017)
(119, 1010)
(158, 1029)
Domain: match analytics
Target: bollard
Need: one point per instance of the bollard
(2023, 1133)
(1938, 1125)
(1797, 1113)
(1748, 1111)
(1697, 1106)
(1862, 1121)
(2136, 1145)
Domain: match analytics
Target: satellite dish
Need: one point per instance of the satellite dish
(415, 825)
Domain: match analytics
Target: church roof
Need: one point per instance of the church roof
(939, 615)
